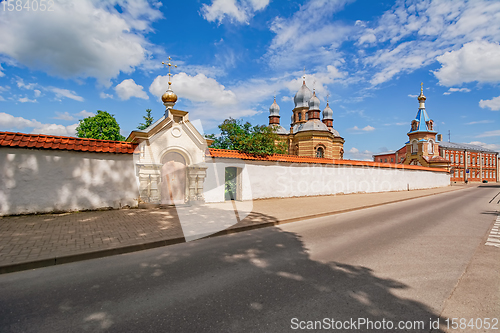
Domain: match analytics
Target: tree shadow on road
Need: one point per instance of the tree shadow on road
(256, 281)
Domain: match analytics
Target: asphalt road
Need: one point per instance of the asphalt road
(410, 262)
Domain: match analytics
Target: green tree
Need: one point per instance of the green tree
(149, 120)
(102, 126)
(243, 137)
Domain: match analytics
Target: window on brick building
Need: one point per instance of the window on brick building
(320, 152)
(392, 159)
(461, 173)
(447, 156)
(414, 147)
(462, 159)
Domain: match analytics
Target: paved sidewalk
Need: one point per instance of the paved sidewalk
(32, 241)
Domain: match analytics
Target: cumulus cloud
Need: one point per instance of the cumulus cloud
(26, 100)
(80, 39)
(64, 116)
(452, 90)
(475, 61)
(128, 88)
(492, 146)
(357, 130)
(236, 11)
(412, 96)
(60, 93)
(12, 123)
(356, 154)
(197, 88)
(85, 114)
(103, 95)
(415, 34)
(206, 98)
(493, 104)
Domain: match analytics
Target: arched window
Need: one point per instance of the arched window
(447, 156)
(462, 159)
(431, 147)
(414, 147)
(300, 116)
(320, 152)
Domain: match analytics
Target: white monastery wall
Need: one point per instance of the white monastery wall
(35, 180)
(281, 180)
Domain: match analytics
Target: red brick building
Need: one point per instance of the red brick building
(466, 162)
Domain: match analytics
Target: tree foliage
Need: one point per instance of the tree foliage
(243, 137)
(102, 126)
(148, 120)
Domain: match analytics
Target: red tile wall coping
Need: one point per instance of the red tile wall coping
(41, 141)
(225, 153)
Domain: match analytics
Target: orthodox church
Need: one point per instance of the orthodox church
(308, 135)
(422, 147)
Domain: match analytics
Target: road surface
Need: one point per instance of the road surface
(410, 263)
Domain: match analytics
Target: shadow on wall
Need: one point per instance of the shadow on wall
(247, 282)
(47, 180)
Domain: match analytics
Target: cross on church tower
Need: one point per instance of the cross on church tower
(169, 97)
(169, 65)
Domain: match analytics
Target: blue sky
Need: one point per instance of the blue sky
(233, 56)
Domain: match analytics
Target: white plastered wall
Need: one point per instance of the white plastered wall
(36, 181)
(281, 180)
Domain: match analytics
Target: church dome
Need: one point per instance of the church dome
(280, 129)
(311, 125)
(169, 96)
(302, 96)
(328, 113)
(334, 131)
(314, 102)
(274, 110)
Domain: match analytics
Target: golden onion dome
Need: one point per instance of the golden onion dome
(169, 96)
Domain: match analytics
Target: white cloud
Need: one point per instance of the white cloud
(2, 74)
(2, 99)
(452, 90)
(12, 123)
(64, 116)
(488, 134)
(493, 104)
(197, 88)
(355, 154)
(84, 114)
(475, 61)
(206, 98)
(55, 129)
(60, 93)
(412, 35)
(240, 11)
(26, 100)
(412, 96)
(480, 122)
(492, 146)
(128, 88)
(310, 37)
(103, 95)
(357, 130)
(80, 39)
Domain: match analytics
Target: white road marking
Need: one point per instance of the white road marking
(494, 236)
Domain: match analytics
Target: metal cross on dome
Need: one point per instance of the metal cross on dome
(169, 65)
